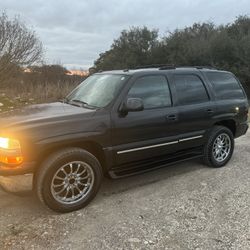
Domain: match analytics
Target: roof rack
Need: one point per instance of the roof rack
(204, 67)
(197, 67)
(167, 67)
(152, 66)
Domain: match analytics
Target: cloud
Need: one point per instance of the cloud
(76, 32)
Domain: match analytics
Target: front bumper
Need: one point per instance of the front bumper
(17, 184)
(24, 168)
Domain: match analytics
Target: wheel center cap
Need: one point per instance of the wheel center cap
(71, 181)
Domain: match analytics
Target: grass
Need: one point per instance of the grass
(22, 95)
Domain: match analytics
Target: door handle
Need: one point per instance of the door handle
(210, 111)
(171, 117)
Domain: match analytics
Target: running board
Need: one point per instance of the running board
(151, 164)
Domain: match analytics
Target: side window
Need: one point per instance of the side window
(225, 85)
(153, 90)
(190, 89)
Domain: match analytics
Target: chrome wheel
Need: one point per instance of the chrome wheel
(72, 182)
(221, 147)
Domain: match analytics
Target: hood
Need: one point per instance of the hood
(45, 119)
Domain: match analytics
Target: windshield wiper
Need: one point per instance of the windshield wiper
(80, 103)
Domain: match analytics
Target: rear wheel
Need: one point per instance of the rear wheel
(219, 148)
(68, 180)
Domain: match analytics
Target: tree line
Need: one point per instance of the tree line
(224, 47)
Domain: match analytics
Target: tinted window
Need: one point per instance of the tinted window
(153, 90)
(190, 89)
(225, 85)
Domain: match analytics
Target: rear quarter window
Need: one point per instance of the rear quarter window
(225, 85)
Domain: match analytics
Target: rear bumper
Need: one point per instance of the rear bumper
(241, 129)
(24, 168)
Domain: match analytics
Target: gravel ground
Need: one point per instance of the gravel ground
(186, 206)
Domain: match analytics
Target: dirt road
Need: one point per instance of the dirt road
(186, 206)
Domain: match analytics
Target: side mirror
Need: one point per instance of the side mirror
(132, 105)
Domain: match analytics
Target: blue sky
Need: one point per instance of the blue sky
(75, 32)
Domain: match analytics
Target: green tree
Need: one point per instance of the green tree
(134, 47)
(225, 47)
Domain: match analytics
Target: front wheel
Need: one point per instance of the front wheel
(68, 180)
(219, 147)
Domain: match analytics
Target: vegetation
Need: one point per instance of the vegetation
(35, 85)
(225, 47)
(23, 77)
(19, 46)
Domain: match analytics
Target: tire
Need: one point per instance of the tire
(68, 180)
(211, 156)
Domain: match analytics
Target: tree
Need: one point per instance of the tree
(225, 47)
(19, 46)
(134, 47)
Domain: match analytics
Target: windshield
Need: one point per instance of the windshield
(97, 90)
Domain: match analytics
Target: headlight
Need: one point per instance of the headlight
(10, 151)
(7, 143)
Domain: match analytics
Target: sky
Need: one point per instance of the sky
(75, 32)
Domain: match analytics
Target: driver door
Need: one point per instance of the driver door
(148, 133)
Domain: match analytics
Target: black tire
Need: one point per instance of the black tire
(50, 167)
(209, 158)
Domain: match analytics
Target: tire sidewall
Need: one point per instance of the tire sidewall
(219, 131)
(47, 196)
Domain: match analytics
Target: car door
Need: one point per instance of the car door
(147, 133)
(195, 108)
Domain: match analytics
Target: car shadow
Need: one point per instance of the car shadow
(27, 200)
(116, 186)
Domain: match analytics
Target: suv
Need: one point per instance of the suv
(119, 123)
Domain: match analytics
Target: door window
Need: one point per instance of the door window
(225, 85)
(153, 90)
(190, 89)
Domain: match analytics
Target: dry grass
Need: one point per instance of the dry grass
(24, 94)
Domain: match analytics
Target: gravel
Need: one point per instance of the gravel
(186, 206)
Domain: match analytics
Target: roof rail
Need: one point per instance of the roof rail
(167, 67)
(204, 67)
(151, 66)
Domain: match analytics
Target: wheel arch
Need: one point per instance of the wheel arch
(228, 123)
(92, 147)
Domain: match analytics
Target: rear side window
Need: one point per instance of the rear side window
(225, 85)
(190, 89)
(153, 90)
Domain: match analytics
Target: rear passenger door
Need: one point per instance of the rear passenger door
(229, 95)
(195, 108)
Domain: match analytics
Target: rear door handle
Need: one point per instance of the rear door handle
(171, 117)
(210, 111)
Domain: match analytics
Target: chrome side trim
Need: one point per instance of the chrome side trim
(191, 138)
(159, 145)
(146, 147)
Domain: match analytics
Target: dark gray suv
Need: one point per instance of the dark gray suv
(119, 123)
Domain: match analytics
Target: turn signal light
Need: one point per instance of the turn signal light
(11, 159)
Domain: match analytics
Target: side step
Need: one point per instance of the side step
(152, 164)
